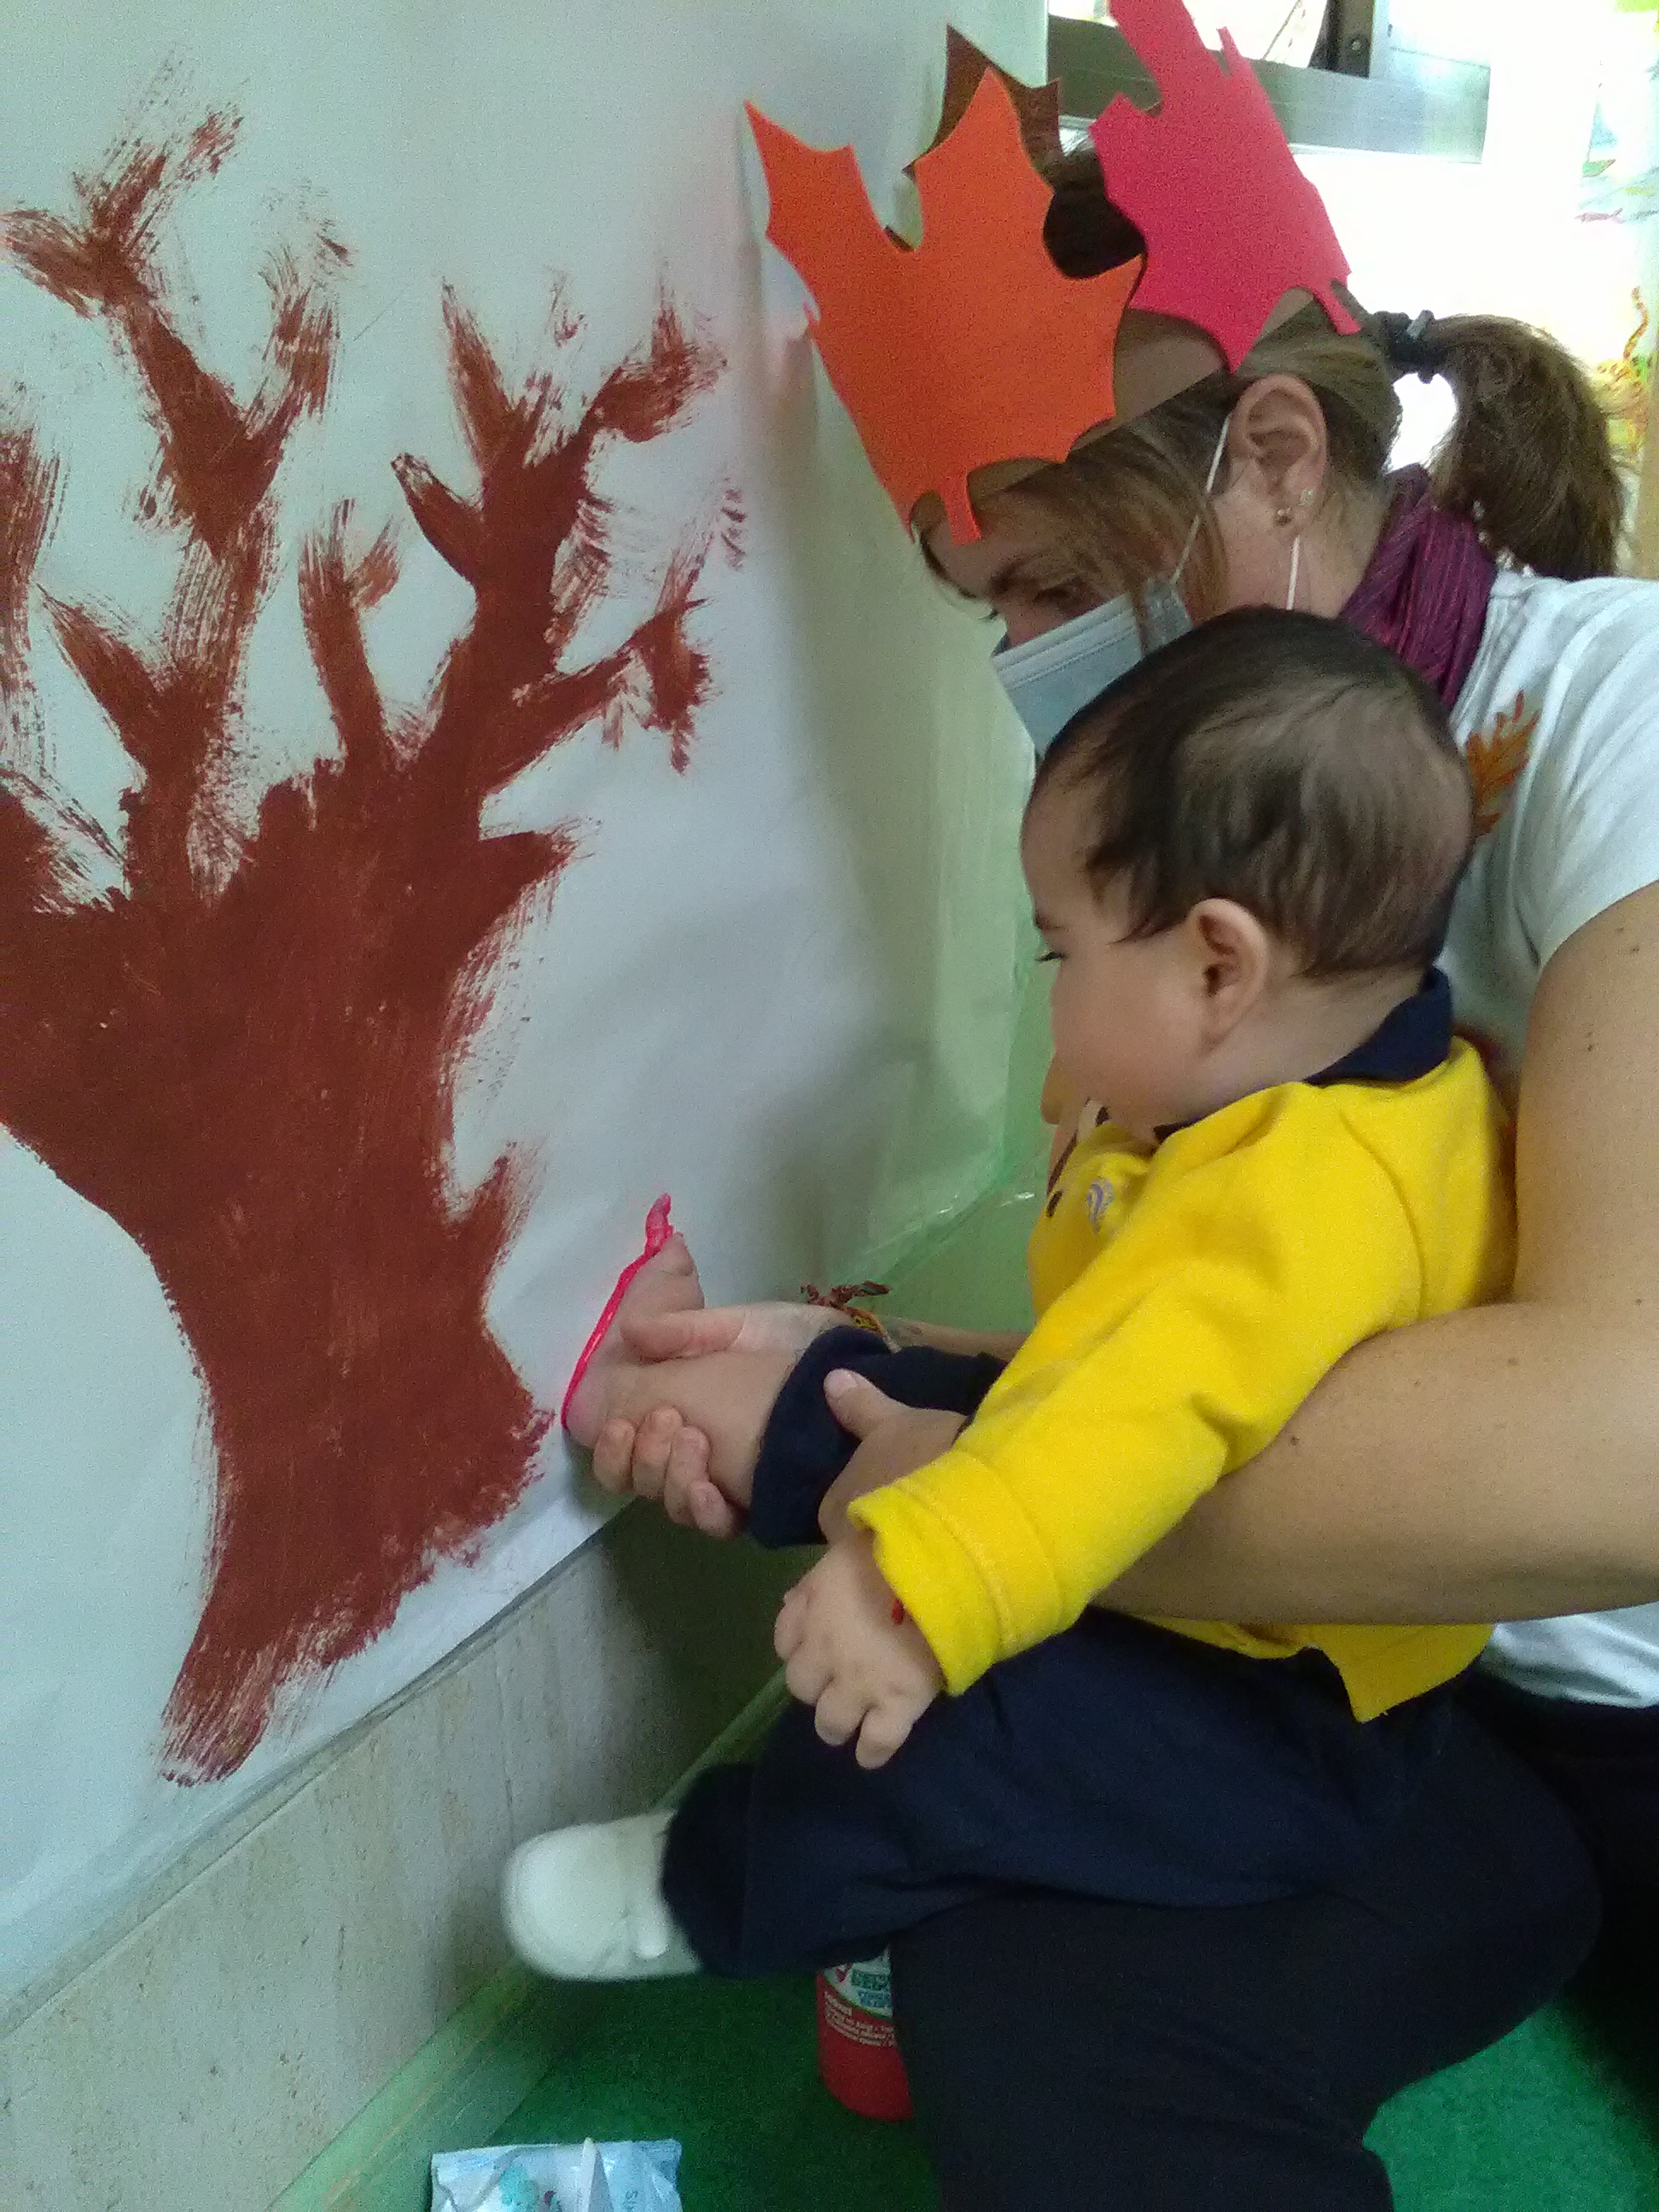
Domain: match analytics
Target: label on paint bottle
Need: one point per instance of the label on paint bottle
(858, 2052)
(866, 1988)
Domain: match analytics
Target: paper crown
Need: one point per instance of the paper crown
(973, 347)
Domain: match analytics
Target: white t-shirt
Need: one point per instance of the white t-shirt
(1559, 721)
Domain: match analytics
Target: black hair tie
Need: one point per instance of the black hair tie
(1413, 345)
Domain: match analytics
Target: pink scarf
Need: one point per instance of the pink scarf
(1424, 594)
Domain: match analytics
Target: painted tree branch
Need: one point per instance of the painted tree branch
(28, 499)
(244, 1053)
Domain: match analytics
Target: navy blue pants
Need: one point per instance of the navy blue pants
(1117, 1760)
(1114, 2058)
(1603, 1761)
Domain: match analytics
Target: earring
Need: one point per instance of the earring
(1281, 515)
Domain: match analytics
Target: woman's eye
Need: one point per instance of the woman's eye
(1069, 599)
(1048, 953)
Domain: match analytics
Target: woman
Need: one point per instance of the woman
(1498, 1464)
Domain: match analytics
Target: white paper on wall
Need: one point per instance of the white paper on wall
(477, 752)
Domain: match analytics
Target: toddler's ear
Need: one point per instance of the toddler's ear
(1232, 960)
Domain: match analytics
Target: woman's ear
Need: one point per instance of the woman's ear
(1279, 448)
(1231, 957)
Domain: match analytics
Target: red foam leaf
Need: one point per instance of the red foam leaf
(1230, 222)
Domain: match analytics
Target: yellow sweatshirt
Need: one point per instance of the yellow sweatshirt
(1188, 1302)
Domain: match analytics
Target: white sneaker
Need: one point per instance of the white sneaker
(586, 1903)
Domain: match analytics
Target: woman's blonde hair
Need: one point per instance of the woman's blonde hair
(1527, 458)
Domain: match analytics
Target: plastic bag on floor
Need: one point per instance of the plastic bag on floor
(590, 2177)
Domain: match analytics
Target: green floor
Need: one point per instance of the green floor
(1562, 2116)
(731, 2069)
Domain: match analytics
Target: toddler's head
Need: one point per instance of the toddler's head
(1242, 854)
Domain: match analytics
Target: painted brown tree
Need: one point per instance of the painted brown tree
(243, 1052)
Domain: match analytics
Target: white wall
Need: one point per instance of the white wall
(780, 986)
(203, 1987)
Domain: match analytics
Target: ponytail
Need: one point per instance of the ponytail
(1528, 457)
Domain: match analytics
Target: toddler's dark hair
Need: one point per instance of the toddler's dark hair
(1284, 762)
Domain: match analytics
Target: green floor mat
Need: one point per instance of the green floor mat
(1561, 2116)
(731, 2069)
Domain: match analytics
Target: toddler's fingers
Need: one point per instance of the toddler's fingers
(613, 1457)
(789, 1627)
(838, 1714)
(807, 1675)
(885, 1728)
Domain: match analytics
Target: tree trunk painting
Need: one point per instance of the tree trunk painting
(243, 1052)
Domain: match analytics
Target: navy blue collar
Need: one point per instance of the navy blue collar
(1411, 1040)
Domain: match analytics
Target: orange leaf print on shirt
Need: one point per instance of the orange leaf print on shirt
(1497, 757)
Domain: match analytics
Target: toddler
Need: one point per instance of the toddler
(1242, 858)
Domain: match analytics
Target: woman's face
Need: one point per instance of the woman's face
(1025, 572)
(1018, 569)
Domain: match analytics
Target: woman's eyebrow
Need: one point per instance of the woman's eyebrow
(1020, 572)
(1016, 571)
(1013, 571)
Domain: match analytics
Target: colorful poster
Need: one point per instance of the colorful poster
(476, 750)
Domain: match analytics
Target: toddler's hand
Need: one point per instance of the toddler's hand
(867, 1674)
(894, 1440)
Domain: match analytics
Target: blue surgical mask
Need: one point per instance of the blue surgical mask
(1052, 678)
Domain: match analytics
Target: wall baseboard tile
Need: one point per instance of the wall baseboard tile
(228, 2033)
(480, 2066)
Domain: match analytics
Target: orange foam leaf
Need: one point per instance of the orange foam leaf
(969, 349)
(1037, 106)
(1230, 222)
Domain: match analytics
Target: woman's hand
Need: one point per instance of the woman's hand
(685, 1433)
(691, 1398)
(674, 1401)
(894, 1440)
(772, 1326)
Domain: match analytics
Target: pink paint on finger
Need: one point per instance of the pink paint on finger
(658, 1230)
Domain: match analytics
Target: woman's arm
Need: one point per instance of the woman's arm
(1504, 1462)
(1001, 1343)
(688, 1394)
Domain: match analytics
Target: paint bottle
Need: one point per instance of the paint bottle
(857, 2054)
